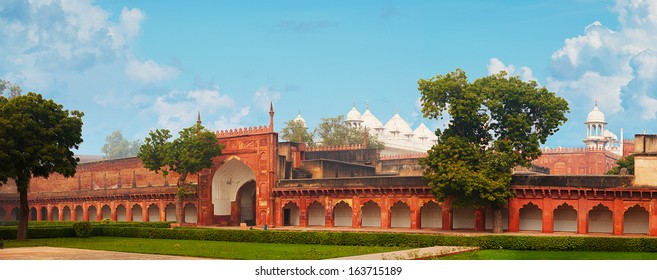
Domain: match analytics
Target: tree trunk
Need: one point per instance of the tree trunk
(497, 219)
(23, 216)
(180, 213)
(180, 217)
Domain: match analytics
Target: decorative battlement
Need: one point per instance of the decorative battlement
(335, 148)
(243, 131)
(403, 156)
(578, 149)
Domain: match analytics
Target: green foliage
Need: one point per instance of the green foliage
(335, 132)
(14, 89)
(118, 147)
(36, 138)
(496, 123)
(190, 153)
(626, 162)
(83, 229)
(295, 130)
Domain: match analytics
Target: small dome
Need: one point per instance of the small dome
(353, 116)
(397, 124)
(370, 121)
(595, 116)
(299, 118)
(422, 132)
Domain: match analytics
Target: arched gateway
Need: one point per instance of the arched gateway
(237, 189)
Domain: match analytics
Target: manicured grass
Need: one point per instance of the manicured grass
(550, 255)
(207, 249)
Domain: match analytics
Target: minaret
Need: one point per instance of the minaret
(271, 116)
(198, 119)
(595, 126)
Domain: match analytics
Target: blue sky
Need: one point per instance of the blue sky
(135, 66)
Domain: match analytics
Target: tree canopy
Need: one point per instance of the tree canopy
(118, 147)
(13, 90)
(36, 138)
(188, 154)
(295, 130)
(626, 162)
(495, 123)
(335, 132)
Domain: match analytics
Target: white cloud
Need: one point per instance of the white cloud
(616, 67)
(233, 121)
(264, 96)
(149, 71)
(178, 109)
(495, 65)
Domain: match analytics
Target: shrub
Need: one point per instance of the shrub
(83, 229)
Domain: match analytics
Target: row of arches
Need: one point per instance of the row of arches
(135, 212)
(370, 215)
(599, 219)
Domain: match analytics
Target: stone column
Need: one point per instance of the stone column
(582, 216)
(144, 212)
(416, 219)
(328, 212)
(128, 212)
(618, 217)
(514, 215)
(548, 215)
(385, 212)
(99, 212)
(355, 213)
(49, 213)
(303, 212)
(448, 218)
(652, 218)
(85, 212)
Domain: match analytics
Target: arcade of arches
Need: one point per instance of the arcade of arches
(250, 183)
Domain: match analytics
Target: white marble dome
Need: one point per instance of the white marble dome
(354, 116)
(595, 116)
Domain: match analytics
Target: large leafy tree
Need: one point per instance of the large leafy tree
(335, 132)
(296, 130)
(496, 123)
(36, 138)
(190, 153)
(118, 147)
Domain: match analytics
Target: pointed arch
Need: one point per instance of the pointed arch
(170, 212)
(153, 213)
(431, 215)
(342, 214)
(636, 220)
(565, 218)
(370, 214)
(55, 213)
(531, 217)
(400, 215)
(191, 213)
(316, 214)
(67, 213)
(291, 214)
(121, 213)
(106, 212)
(600, 219)
(137, 215)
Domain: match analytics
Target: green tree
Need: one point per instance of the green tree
(118, 147)
(14, 90)
(626, 162)
(190, 153)
(335, 132)
(36, 138)
(295, 130)
(496, 123)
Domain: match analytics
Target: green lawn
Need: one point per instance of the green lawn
(550, 255)
(207, 249)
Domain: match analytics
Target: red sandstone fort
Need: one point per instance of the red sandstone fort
(260, 181)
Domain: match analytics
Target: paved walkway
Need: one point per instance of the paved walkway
(413, 254)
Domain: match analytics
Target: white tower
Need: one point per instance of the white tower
(595, 127)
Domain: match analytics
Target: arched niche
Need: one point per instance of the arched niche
(226, 182)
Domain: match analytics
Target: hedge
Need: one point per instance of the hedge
(508, 242)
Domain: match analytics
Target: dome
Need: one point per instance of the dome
(353, 116)
(299, 118)
(370, 121)
(595, 116)
(397, 124)
(422, 132)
